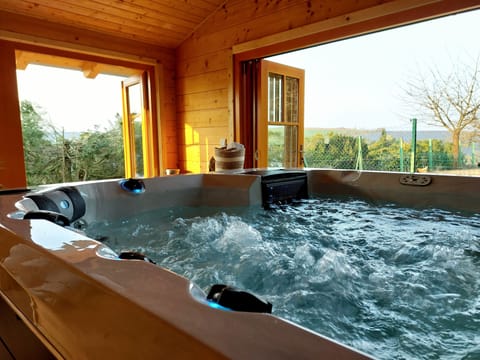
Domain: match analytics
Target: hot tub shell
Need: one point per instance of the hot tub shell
(66, 296)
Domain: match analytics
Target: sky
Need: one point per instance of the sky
(355, 83)
(360, 82)
(70, 100)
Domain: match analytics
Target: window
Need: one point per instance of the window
(82, 136)
(277, 127)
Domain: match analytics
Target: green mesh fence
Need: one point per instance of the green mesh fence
(340, 151)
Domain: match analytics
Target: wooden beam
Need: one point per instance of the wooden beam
(90, 69)
(12, 163)
(391, 8)
(23, 29)
(22, 61)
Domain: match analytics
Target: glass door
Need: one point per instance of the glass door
(137, 129)
(280, 118)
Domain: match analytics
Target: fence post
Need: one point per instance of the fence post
(413, 151)
(359, 165)
(460, 156)
(401, 156)
(473, 154)
(430, 155)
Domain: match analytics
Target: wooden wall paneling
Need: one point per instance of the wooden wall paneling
(201, 94)
(197, 77)
(170, 149)
(203, 63)
(212, 99)
(206, 72)
(207, 81)
(207, 118)
(199, 150)
(12, 163)
(168, 141)
(210, 106)
(203, 137)
(230, 99)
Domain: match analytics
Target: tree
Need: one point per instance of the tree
(384, 153)
(276, 147)
(334, 150)
(442, 157)
(98, 154)
(52, 158)
(451, 100)
(41, 156)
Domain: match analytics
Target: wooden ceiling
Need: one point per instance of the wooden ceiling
(165, 23)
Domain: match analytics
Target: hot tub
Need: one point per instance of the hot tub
(66, 295)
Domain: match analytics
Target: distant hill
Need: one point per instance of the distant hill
(374, 134)
(72, 134)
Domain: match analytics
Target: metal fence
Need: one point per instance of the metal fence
(339, 151)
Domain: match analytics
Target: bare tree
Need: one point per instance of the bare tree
(451, 100)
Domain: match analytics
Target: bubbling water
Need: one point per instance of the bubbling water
(393, 282)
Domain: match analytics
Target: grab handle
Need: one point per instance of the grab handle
(51, 216)
(237, 300)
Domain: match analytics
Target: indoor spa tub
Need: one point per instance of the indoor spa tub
(83, 276)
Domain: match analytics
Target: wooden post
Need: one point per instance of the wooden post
(12, 162)
(430, 155)
(413, 149)
(402, 169)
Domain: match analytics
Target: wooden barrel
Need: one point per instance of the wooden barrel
(229, 159)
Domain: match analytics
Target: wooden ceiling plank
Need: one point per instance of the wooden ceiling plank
(147, 34)
(70, 11)
(236, 14)
(203, 8)
(165, 23)
(138, 13)
(159, 10)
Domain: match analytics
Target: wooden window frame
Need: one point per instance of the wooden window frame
(150, 146)
(263, 121)
(16, 173)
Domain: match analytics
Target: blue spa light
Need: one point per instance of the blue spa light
(214, 305)
(133, 186)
